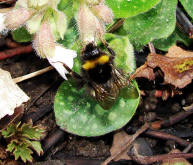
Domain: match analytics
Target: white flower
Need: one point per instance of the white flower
(90, 27)
(11, 95)
(2, 19)
(17, 17)
(62, 56)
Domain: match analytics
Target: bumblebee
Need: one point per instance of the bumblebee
(103, 81)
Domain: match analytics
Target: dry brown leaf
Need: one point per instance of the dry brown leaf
(175, 161)
(145, 72)
(177, 67)
(176, 51)
(11, 96)
(119, 139)
(3, 153)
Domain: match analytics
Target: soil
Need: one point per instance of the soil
(94, 150)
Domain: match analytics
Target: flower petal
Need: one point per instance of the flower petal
(62, 55)
(103, 12)
(90, 27)
(44, 43)
(2, 19)
(17, 17)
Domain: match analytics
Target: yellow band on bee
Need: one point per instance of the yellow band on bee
(90, 64)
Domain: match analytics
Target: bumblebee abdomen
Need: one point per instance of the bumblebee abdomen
(101, 73)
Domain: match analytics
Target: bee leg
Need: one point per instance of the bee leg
(79, 80)
(111, 51)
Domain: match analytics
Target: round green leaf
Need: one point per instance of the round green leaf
(129, 8)
(124, 58)
(177, 36)
(188, 6)
(79, 114)
(157, 23)
(21, 35)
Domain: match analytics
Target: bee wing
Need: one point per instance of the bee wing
(106, 94)
(126, 89)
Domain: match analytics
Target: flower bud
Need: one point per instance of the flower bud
(33, 24)
(37, 3)
(44, 43)
(93, 2)
(21, 3)
(16, 18)
(90, 27)
(103, 12)
(61, 24)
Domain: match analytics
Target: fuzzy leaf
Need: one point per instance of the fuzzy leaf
(129, 8)
(21, 35)
(77, 113)
(176, 37)
(188, 6)
(124, 58)
(157, 23)
(67, 6)
(31, 132)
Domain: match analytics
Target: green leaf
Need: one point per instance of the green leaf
(23, 152)
(70, 36)
(10, 131)
(36, 146)
(124, 58)
(188, 6)
(79, 114)
(69, 7)
(20, 150)
(31, 132)
(129, 8)
(157, 23)
(21, 35)
(11, 146)
(176, 37)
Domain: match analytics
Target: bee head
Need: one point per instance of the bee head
(90, 52)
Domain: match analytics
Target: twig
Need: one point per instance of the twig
(183, 21)
(158, 158)
(116, 25)
(16, 51)
(37, 115)
(39, 96)
(127, 144)
(7, 1)
(53, 139)
(11, 44)
(162, 135)
(188, 148)
(151, 48)
(31, 75)
(166, 136)
(172, 119)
